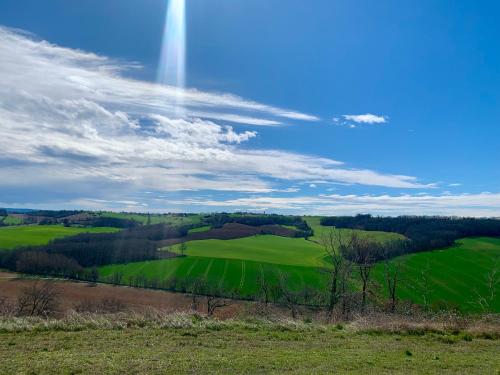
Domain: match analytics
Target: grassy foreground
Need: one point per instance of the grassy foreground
(181, 345)
(33, 235)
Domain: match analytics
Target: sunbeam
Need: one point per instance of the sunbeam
(172, 67)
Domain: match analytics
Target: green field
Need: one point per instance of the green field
(156, 218)
(187, 346)
(32, 235)
(11, 220)
(261, 248)
(314, 223)
(456, 275)
(205, 228)
(236, 275)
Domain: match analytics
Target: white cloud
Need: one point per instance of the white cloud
(366, 119)
(480, 205)
(73, 121)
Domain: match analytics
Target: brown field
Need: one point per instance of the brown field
(134, 299)
(232, 231)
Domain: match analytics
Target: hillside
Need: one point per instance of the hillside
(167, 344)
(33, 235)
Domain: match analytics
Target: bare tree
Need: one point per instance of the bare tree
(424, 286)
(183, 248)
(364, 253)
(392, 273)
(335, 242)
(486, 299)
(288, 297)
(7, 308)
(215, 302)
(38, 299)
(265, 288)
(197, 288)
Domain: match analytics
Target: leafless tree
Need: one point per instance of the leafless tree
(364, 254)
(335, 242)
(265, 288)
(288, 297)
(392, 273)
(486, 299)
(425, 287)
(197, 288)
(215, 302)
(40, 298)
(7, 307)
(183, 248)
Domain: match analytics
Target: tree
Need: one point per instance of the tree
(392, 272)
(264, 287)
(288, 297)
(425, 286)
(38, 299)
(335, 242)
(486, 299)
(364, 254)
(183, 248)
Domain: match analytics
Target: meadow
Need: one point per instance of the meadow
(456, 276)
(183, 344)
(33, 235)
(155, 218)
(319, 230)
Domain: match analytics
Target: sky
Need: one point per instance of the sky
(305, 107)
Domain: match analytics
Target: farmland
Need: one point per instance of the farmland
(155, 218)
(457, 276)
(32, 235)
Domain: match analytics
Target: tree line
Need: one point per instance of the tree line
(70, 256)
(423, 233)
(220, 219)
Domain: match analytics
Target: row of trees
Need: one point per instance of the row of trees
(256, 220)
(423, 233)
(69, 256)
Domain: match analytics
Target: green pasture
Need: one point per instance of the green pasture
(315, 223)
(11, 220)
(205, 228)
(156, 218)
(229, 274)
(457, 276)
(261, 248)
(32, 235)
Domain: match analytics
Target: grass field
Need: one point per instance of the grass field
(228, 274)
(314, 223)
(12, 220)
(156, 218)
(265, 249)
(455, 275)
(32, 235)
(238, 348)
(205, 228)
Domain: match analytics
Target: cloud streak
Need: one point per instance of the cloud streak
(73, 121)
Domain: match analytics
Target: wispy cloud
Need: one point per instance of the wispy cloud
(481, 205)
(366, 119)
(79, 124)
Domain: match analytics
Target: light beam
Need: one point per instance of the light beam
(172, 67)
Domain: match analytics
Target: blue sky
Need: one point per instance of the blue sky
(329, 107)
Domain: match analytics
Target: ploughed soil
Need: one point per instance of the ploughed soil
(133, 299)
(232, 231)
